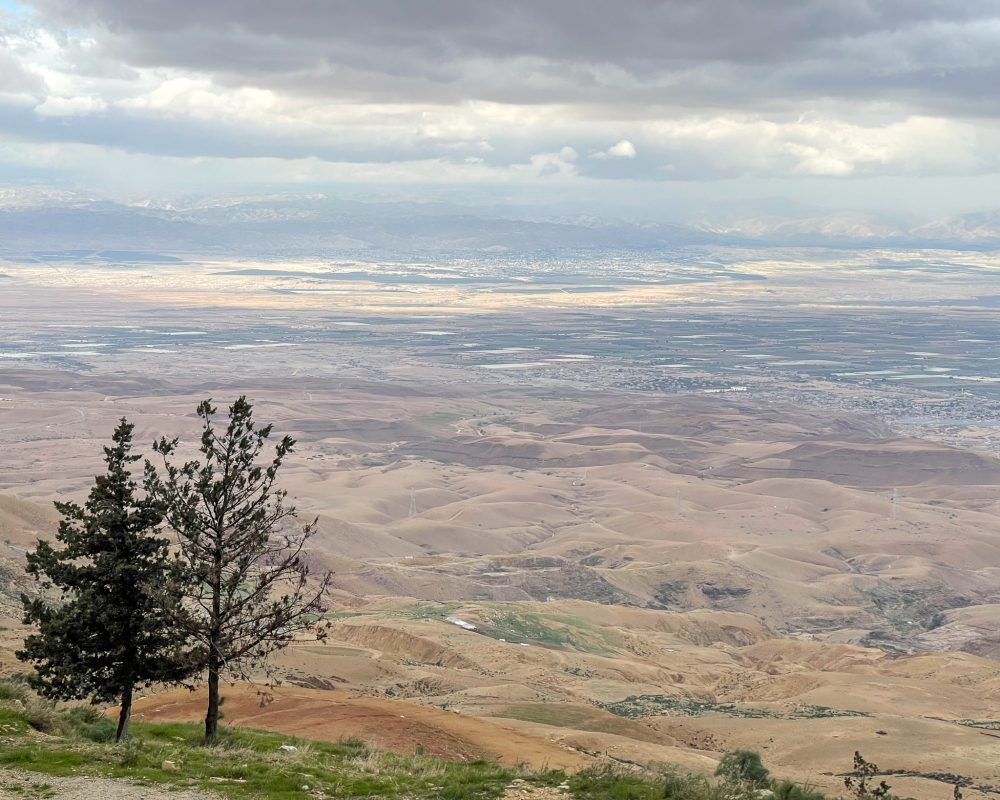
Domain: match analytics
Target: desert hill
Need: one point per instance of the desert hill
(572, 681)
(656, 579)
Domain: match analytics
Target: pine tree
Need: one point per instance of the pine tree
(248, 589)
(111, 630)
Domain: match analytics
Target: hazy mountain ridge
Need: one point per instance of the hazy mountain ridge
(309, 225)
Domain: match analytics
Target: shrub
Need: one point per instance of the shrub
(786, 790)
(131, 751)
(685, 787)
(865, 772)
(14, 691)
(42, 715)
(89, 723)
(612, 783)
(743, 766)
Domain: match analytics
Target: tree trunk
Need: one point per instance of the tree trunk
(124, 714)
(212, 717)
(214, 640)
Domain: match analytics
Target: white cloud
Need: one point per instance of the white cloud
(15, 78)
(623, 149)
(70, 106)
(198, 97)
(543, 165)
(740, 145)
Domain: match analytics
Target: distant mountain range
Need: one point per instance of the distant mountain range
(980, 230)
(296, 226)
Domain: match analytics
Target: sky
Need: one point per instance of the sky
(663, 108)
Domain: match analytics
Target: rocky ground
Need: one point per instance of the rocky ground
(16, 785)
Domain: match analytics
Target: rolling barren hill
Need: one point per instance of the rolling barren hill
(569, 683)
(638, 578)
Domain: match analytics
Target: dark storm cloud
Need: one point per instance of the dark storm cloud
(928, 54)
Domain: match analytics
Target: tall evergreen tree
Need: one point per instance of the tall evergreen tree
(111, 630)
(249, 590)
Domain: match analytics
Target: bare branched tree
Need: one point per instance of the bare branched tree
(241, 565)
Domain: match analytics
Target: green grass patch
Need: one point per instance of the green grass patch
(548, 631)
(525, 627)
(242, 764)
(245, 764)
(438, 611)
(250, 764)
(441, 420)
(12, 722)
(660, 705)
(617, 784)
(43, 759)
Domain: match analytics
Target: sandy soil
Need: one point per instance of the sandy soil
(385, 724)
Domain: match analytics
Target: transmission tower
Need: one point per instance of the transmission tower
(894, 502)
(413, 503)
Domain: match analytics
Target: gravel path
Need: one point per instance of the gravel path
(521, 790)
(17, 785)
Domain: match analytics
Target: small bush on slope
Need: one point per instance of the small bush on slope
(743, 766)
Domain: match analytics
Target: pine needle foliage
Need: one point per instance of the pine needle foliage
(245, 576)
(109, 629)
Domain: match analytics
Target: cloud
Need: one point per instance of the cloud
(929, 53)
(15, 79)
(543, 165)
(623, 149)
(54, 106)
(818, 146)
(460, 92)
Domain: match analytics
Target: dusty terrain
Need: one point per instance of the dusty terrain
(639, 575)
(663, 595)
(826, 527)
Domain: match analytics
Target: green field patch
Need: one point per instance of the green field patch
(660, 705)
(515, 627)
(438, 611)
(441, 419)
(542, 630)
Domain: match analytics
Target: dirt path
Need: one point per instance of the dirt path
(17, 785)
